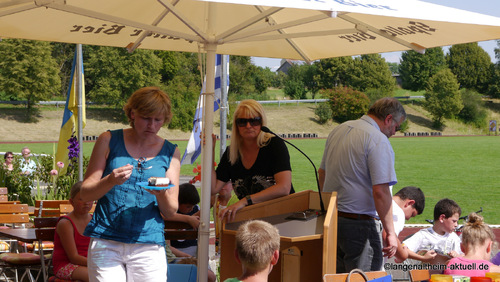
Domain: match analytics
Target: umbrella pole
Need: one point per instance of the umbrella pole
(206, 167)
(79, 92)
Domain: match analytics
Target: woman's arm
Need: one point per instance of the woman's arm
(66, 232)
(281, 188)
(94, 185)
(168, 198)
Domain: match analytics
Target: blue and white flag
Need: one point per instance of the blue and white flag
(193, 149)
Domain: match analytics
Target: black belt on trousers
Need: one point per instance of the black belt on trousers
(355, 216)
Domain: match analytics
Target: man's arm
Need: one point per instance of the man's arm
(401, 252)
(321, 178)
(383, 204)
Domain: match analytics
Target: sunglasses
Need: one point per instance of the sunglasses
(241, 122)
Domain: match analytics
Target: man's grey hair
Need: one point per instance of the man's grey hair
(387, 106)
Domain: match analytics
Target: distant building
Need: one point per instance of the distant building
(286, 64)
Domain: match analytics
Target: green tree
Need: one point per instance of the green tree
(371, 72)
(240, 69)
(361, 73)
(416, 69)
(295, 86)
(262, 79)
(332, 72)
(28, 71)
(393, 67)
(442, 97)
(346, 103)
(278, 80)
(471, 65)
(64, 53)
(494, 84)
(473, 111)
(112, 74)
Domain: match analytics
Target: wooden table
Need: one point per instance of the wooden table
(26, 235)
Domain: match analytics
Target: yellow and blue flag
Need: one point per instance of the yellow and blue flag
(69, 125)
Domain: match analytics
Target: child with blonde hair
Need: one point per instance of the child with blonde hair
(70, 246)
(477, 241)
(257, 249)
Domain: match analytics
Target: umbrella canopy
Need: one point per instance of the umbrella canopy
(293, 29)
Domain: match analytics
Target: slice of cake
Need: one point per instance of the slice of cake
(158, 181)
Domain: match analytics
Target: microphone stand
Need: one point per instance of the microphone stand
(267, 130)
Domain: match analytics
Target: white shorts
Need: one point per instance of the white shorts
(115, 261)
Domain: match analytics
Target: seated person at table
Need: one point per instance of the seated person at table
(257, 250)
(439, 243)
(188, 212)
(406, 203)
(70, 246)
(477, 241)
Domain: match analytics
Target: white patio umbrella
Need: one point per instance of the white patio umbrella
(293, 29)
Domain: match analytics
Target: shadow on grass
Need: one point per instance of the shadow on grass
(21, 115)
(111, 115)
(421, 121)
(495, 107)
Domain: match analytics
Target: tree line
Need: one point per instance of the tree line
(35, 70)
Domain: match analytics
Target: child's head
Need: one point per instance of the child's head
(75, 189)
(257, 245)
(188, 197)
(76, 201)
(446, 213)
(414, 201)
(477, 234)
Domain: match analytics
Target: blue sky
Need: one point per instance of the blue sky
(488, 7)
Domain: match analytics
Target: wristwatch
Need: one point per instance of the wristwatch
(249, 200)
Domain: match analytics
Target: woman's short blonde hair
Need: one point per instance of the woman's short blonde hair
(256, 242)
(252, 109)
(149, 101)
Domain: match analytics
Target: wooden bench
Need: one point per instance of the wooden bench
(67, 208)
(14, 213)
(4, 196)
(175, 230)
(48, 208)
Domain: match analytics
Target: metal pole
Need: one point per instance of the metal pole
(224, 107)
(206, 151)
(79, 86)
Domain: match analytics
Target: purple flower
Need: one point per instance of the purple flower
(74, 147)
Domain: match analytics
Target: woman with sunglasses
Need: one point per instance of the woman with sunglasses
(8, 164)
(257, 163)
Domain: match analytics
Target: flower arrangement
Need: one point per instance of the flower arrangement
(197, 172)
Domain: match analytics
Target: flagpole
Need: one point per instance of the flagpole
(223, 104)
(78, 90)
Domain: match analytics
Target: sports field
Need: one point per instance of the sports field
(465, 169)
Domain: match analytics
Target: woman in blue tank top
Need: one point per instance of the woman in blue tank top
(127, 242)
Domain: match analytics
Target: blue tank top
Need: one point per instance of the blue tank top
(128, 213)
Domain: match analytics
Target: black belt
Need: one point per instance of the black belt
(355, 216)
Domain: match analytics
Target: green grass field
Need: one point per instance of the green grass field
(464, 169)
